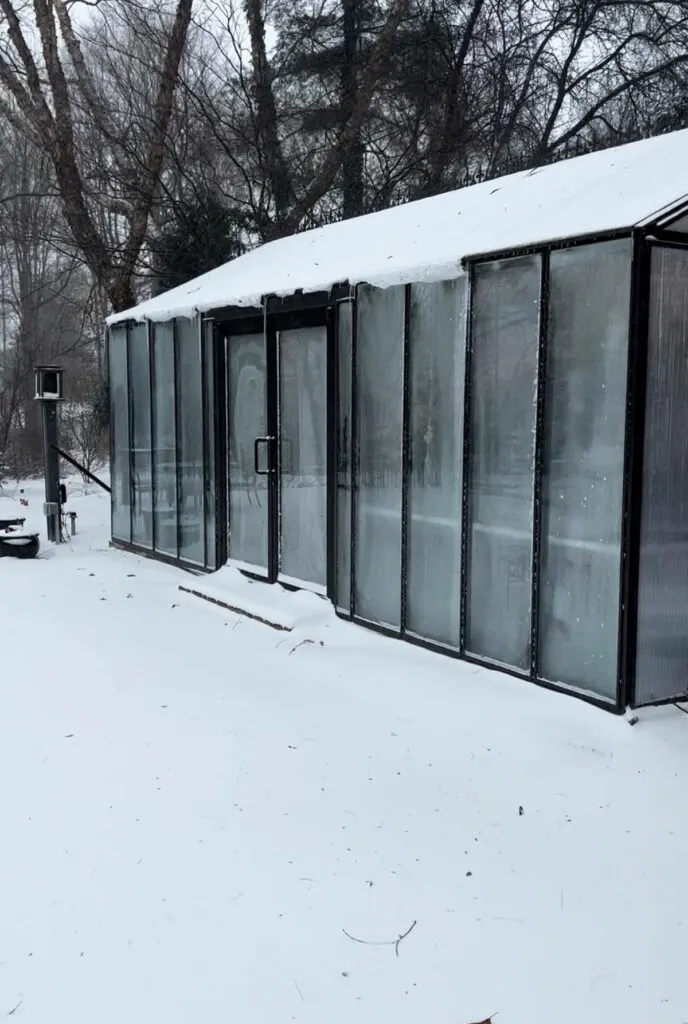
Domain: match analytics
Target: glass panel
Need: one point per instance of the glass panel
(379, 391)
(164, 441)
(582, 486)
(502, 458)
(344, 372)
(119, 403)
(437, 352)
(303, 454)
(190, 436)
(662, 653)
(210, 499)
(142, 484)
(246, 415)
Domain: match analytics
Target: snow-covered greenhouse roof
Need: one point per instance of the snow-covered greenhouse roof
(427, 240)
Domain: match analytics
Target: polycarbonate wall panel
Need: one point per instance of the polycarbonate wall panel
(583, 461)
(303, 454)
(437, 349)
(246, 421)
(190, 437)
(119, 403)
(164, 441)
(662, 643)
(503, 393)
(344, 454)
(141, 465)
(379, 406)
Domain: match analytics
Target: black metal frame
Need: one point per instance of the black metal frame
(633, 468)
(151, 384)
(528, 674)
(543, 251)
(645, 243)
(286, 316)
(130, 421)
(617, 705)
(536, 550)
(130, 544)
(320, 309)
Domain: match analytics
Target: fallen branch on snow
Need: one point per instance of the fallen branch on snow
(389, 942)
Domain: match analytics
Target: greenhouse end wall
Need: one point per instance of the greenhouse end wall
(163, 439)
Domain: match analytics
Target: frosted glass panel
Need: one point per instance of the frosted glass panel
(344, 451)
(164, 442)
(142, 482)
(119, 401)
(437, 362)
(191, 489)
(303, 454)
(248, 491)
(582, 486)
(662, 653)
(379, 401)
(501, 465)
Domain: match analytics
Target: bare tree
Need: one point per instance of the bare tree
(50, 96)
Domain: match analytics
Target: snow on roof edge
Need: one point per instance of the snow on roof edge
(429, 239)
(446, 271)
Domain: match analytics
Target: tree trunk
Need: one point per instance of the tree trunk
(353, 164)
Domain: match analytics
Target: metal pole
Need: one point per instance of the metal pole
(52, 472)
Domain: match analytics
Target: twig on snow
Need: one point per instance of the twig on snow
(388, 942)
(15, 1008)
(302, 642)
(403, 936)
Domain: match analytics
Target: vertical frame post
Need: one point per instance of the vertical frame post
(331, 450)
(467, 452)
(221, 446)
(204, 436)
(636, 398)
(151, 402)
(177, 404)
(111, 421)
(271, 342)
(543, 324)
(355, 454)
(405, 459)
(130, 424)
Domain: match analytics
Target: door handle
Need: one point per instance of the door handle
(256, 456)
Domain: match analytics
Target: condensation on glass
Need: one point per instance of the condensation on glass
(164, 441)
(246, 421)
(190, 438)
(583, 461)
(303, 455)
(141, 465)
(119, 398)
(662, 642)
(503, 393)
(210, 452)
(379, 407)
(344, 454)
(437, 363)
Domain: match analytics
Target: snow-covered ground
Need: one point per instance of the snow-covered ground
(195, 809)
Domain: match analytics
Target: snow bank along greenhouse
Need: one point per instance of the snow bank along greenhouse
(464, 421)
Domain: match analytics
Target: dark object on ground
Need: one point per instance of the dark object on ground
(10, 524)
(14, 544)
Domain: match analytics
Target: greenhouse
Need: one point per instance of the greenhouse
(461, 420)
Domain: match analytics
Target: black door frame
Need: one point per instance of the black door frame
(270, 325)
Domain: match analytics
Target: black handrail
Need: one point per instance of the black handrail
(82, 469)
